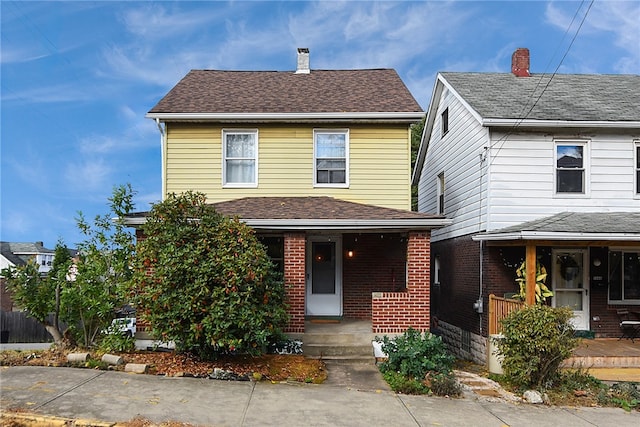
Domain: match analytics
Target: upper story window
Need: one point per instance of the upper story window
(331, 162)
(571, 170)
(240, 154)
(445, 121)
(637, 163)
(440, 193)
(624, 276)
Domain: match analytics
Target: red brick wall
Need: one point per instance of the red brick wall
(378, 265)
(459, 282)
(294, 279)
(395, 312)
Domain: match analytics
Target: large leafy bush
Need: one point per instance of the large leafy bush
(204, 281)
(536, 339)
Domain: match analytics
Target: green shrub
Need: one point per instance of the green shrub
(401, 384)
(205, 282)
(536, 339)
(414, 354)
(116, 341)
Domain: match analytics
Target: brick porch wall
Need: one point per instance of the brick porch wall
(395, 312)
(294, 280)
(378, 265)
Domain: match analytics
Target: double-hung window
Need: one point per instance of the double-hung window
(624, 276)
(571, 172)
(331, 159)
(240, 153)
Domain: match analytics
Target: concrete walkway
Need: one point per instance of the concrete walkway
(115, 396)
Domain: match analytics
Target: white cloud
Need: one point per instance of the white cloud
(67, 92)
(87, 175)
(153, 21)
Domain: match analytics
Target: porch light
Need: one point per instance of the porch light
(350, 253)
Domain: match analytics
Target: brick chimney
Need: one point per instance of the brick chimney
(303, 61)
(520, 62)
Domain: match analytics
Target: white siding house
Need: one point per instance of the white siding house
(546, 163)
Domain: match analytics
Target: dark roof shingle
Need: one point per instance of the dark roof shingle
(320, 91)
(311, 208)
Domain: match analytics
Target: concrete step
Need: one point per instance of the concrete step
(329, 350)
(337, 339)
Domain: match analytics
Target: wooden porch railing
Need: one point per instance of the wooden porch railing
(499, 308)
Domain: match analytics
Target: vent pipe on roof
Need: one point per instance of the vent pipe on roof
(520, 62)
(303, 61)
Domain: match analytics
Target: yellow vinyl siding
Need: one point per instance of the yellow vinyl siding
(379, 163)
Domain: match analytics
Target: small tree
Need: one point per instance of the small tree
(33, 293)
(536, 339)
(204, 281)
(86, 299)
(104, 267)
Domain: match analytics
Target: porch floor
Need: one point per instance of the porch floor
(608, 359)
(343, 326)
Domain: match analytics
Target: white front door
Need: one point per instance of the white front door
(324, 276)
(571, 284)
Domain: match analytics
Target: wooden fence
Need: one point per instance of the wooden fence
(17, 327)
(499, 308)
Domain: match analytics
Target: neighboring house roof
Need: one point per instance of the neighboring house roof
(326, 213)
(214, 94)
(20, 252)
(541, 100)
(572, 226)
(558, 97)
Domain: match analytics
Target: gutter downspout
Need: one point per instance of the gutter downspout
(163, 153)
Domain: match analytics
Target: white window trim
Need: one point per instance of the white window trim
(225, 184)
(346, 154)
(636, 147)
(441, 186)
(444, 123)
(586, 152)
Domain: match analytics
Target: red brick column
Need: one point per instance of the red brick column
(294, 279)
(395, 312)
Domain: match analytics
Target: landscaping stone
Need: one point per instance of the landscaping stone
(532, 396)
(112, 359)
(77, 357)
(136, 368)
(221, 374)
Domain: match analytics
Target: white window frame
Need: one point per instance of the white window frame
(254, 182)
(444, 122)
(636, 169)
(344, 184)
(440, 194)
(586, 160)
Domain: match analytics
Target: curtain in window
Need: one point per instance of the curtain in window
(240, 158)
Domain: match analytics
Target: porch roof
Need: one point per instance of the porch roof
(319, 214)
(572, 226)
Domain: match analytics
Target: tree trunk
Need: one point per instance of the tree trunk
(55, 333)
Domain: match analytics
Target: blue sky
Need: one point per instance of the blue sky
(78, 77)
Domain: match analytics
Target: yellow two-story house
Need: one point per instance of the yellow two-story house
(318, 163)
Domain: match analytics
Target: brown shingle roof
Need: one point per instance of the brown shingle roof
(311, 208)
(320, 91)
